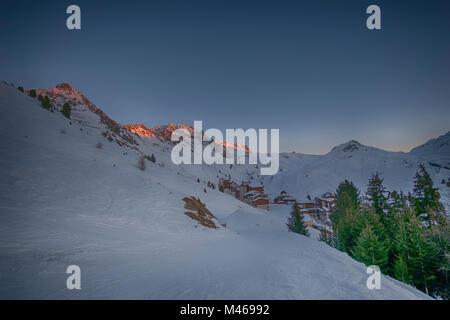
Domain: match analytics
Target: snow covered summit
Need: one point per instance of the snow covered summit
(352, 146)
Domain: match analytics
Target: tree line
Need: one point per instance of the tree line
(406, 235)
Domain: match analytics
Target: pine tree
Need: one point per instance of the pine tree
(397, 205)
(439, 239)
(66, 110)
(152, 158)
(395, 202)
(346, 216)
(377, 198)
(20, 88)
(401, 271)
(376, 194)
(46, 104)
(347, 196)
(369, 249)
(422, 261)
(349, 188)
(426, 197)
(295, 221)
(32, 93)
(349, 228)
(374, 220)
(414, 248)
(380, 229)
(432, 261)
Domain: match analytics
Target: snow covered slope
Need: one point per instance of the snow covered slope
(65, 199)
(434, 148)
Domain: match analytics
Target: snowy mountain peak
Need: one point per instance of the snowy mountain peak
(63, 93)
(67, 87)
(350, 146)
(161, 132)
(139, 129)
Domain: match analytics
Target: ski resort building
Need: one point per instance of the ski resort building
(285, 198)
(253, 196)
(327, 201)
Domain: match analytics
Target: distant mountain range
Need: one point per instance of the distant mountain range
(301, 174)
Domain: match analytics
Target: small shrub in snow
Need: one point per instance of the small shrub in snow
(20, 88)
(66, 110)
(46, 104)
(63, 131)
(141, 164)
(150, 158)
(99, 145)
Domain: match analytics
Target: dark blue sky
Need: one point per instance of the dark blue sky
(309, 68)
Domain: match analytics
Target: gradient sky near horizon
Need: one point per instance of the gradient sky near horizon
(310, 68)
